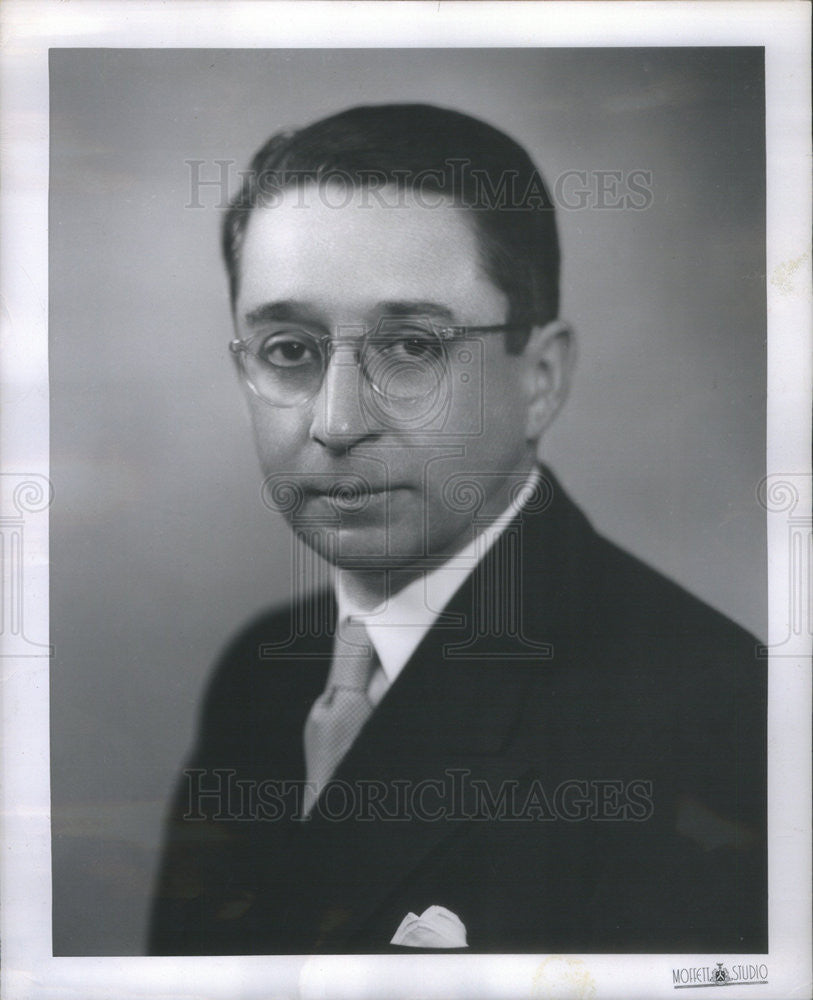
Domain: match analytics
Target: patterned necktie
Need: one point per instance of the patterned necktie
(341, 710)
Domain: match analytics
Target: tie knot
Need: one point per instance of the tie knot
(353, 657)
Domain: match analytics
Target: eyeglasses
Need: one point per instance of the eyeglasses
(402, 360)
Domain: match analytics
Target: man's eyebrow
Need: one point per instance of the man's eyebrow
(415, 308)
(285, 310)
(288, 310)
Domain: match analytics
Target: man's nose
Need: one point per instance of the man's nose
(339, 420)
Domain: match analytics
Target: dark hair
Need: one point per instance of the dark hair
(426, 148)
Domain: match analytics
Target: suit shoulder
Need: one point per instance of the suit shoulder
(694, 682)
(243, 672)
(639, 592)
(632, 621)
(615, 591)
(301, 621)
(711, 673)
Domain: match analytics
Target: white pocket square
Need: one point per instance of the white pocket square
(436, 927)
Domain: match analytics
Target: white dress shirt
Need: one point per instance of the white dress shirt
(397, 626)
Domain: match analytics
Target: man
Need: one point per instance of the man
(492, 729)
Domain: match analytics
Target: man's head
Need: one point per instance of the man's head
(407, 221)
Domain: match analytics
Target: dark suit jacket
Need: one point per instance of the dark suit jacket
(578, 746)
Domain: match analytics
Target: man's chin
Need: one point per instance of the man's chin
(360, 548)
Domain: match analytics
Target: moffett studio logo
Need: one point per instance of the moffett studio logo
(719, 975)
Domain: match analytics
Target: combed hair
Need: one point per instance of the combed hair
(418, 145)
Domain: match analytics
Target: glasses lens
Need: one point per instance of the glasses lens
(285, 367)
(404, 361)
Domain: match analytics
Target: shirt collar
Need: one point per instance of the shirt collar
(397, 626)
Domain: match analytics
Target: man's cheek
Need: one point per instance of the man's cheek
(278, 440)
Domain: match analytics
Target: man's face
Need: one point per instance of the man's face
(338, 271)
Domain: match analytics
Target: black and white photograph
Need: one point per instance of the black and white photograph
(536, 714)
(425, 518)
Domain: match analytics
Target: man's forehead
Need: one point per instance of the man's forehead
(316, 216)
(329, 243)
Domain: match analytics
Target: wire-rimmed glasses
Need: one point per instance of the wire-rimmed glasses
(403, 360)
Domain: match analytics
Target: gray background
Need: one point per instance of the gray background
(160, 544)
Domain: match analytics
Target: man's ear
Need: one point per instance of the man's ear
(549, 354)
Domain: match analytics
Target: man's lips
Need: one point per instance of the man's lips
(348, 485)
(348, 492)
(351, 497)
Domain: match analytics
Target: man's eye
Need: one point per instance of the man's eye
(286, 350)
(413, 344)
